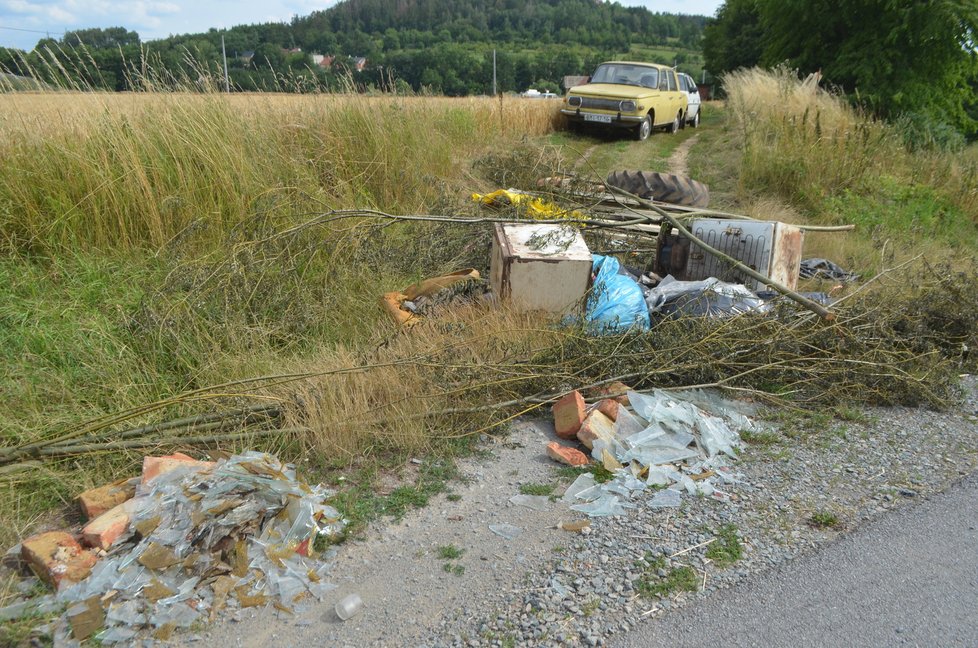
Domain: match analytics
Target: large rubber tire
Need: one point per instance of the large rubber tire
(643, 130)
(664, 187)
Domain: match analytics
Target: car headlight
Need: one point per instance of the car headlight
(574, 101)
(627, 106)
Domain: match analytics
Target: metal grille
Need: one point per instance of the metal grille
(753, 249)
(600, 104)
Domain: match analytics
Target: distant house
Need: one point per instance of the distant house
(246, 57)
(359, 63)
(294, 50)
(324, 61)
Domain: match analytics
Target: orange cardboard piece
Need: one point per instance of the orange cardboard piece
(96, 501)
(155, 466)
(596, 426)
(568, 415)
(565, 455)
(56, 556)
(103, 531)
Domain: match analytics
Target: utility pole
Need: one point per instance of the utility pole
(493, 73)
(224, 53)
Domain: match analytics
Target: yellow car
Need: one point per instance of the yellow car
(624, 94)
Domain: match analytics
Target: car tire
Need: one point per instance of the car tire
(696, 120)
(674, 126)
(664, 187)
(643, 130)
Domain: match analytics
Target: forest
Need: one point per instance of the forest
(435, 46)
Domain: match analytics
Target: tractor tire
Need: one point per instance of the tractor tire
(664, 187)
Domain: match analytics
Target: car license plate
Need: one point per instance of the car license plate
(604, 119)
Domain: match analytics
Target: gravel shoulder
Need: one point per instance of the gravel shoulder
(552, 587)
(907, 579)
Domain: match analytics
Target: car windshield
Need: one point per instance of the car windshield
(636, 75)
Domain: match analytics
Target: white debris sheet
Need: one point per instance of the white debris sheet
(668, 444)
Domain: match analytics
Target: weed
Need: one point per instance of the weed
(450, 552)
(592, 606)
(453, 497)
(453, 568)
(760, 438)
(680, 579)
(537, 489)
(824, 519)
(727, 549)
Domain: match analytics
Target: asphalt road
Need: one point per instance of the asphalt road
(909, 578)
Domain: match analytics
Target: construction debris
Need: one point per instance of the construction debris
(665, 443)
(196, 537)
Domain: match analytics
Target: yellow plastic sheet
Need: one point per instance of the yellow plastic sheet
(535, 207)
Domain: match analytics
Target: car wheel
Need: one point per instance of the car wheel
(696, 120)
(644, 129)
(674, 126)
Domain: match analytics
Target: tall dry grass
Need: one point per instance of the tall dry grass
(804, 144)
(97, 171)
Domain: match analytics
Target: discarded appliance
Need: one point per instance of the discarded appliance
(539, 267)
(771, 248)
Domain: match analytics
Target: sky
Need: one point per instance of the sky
(24, 22)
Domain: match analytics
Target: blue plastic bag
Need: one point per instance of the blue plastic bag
(616, 303)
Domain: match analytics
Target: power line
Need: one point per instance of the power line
(33, 31)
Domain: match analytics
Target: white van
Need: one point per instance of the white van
(688, 85)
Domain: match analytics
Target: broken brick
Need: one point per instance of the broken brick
(96, 501)
(155, 466)
(608, 407)
(56, 556)
(596, 426)
(565, 455)
(103, 531)
(615, 390)
(569, 415)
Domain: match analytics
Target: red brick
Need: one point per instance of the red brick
(606, 391)
(103, 531)
(97, 501)
(56, 556)
(608, 407)
(596, 426)
(565, 455)
(568, 415)
(155, 466)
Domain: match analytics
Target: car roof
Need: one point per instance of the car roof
(643, 63)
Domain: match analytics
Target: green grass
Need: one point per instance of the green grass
(537, 489)
(450, 552)
(824, 519)
(453, 568)
(679, 579)
(727, 549)
(760, 438)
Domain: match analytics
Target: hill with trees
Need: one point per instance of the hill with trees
(442, 46)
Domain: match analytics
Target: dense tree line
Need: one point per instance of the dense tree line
(911, 60)
(439, 45)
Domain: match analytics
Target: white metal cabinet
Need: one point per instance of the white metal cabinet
(539, 267)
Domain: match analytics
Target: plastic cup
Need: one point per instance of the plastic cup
(349, 607)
